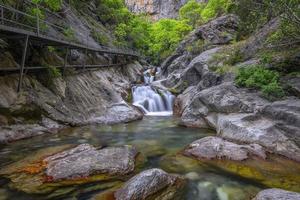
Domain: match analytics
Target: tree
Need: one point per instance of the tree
(165, 35)
(256, 13)
(215, 8)
(191, 12)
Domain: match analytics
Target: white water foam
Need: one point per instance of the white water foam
(153, 102)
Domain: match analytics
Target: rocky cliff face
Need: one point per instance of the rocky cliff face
(157, 9)
(48, 103)
(212, 100)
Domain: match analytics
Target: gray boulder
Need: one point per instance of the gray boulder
(250, 128)
(154, 184)
(219, 31)
(85, 160)
(218, 148)
(277, 194)
(216, 32)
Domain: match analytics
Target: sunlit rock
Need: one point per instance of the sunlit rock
(217, 148)
(59, 169)
(277, 194)
(151, 184)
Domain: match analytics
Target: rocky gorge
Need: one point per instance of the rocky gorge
(91, 134)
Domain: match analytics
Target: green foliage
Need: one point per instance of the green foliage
(54, 5)
(69, 33)
(260, 78)
(234, 58)
(191, 12)
(225, 69)
(53, 72)
(215, 8)
(196, 47)
(165, 35)
(100, 37)
(112, 12)
(256, 13)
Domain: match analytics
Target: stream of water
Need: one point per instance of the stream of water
(152, 101)
(159, 138)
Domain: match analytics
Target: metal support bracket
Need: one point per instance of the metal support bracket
(23, 64)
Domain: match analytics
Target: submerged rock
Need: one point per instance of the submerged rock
(154, 184)
(228, 192)
(217, 148)
(277, 194)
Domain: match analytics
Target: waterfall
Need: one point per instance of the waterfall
(153, 101)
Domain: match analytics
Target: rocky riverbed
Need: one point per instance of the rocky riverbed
(148, 159)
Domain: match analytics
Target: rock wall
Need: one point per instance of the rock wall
(49, 102)
(157, 9)
(208, 99)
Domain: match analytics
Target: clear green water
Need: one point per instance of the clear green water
(159, 138)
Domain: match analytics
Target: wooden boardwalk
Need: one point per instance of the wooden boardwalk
(14, 25)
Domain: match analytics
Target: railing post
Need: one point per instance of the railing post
(2, 15)
(37, 20)
(85, 58)
(23, 64)
(65, 61)
(85, 53)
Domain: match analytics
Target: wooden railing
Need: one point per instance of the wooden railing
(20, 20)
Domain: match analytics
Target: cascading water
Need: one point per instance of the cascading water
(153, 101)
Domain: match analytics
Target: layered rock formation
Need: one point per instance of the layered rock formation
(157, 9)
(53, 170)
(212, 100)
(49, 101)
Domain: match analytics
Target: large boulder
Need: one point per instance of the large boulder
(154, 184)
(194, 73)
(58, 168)
(86, 160)
(242, 115)
(224, 98)
(219, 31)
(251, 128)
(218, 148)
(216, 32)
(277, 194)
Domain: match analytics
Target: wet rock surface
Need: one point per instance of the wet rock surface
(86, 160)
(277, 194)
(217, 148)
(57, 170)
(87, 98)
(151, 184)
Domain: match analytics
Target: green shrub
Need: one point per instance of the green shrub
(191, 12)
(196, 47)
(224, 69)
(256, 13)
(273, 90)
(165, 36)
(53, 72)
(101, 38)
(54, 5)
(260, 78)
(215, 8)
(69, 33)
(234, 58)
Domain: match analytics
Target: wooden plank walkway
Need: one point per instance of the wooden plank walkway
(13, 26)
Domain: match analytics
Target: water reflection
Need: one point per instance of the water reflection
(158, 138)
